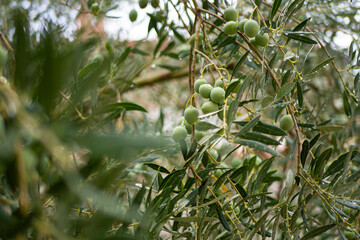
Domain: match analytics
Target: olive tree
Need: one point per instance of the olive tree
(267, 145)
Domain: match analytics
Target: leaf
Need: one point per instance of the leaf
(232, 87)
(317, 231)
(275, 8)
(248, 126)
(266, 128)
(157, 167)
(266, 101)
(238, 64)
(299, 94)
(260, 138)
(354, 177)
(263, 172)
(348, 204)
(299, 37)
(321, 65)
(127, 106)
(258, 146)
(347, 107)
(183, 148)
(314, 140)
(222, 218)
(124, 55)
(192, 149)
(330, 128)
(304, 152)
(258, 225)
(204, 126)
(285, 89)
(237, 172)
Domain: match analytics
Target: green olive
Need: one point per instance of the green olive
(214, 154)
(192, 39)
(133, 15)
(188, 127)
(209, 107)
(220, 83)
(230, 28)
(217, 95)
(191, 115)
(143, 3)
(286, 122)
(241, 24)
(205, 90)
(198, 83)
(179, 133)
(230, 14)
(262, 39)
(251, 28)
(154, 3)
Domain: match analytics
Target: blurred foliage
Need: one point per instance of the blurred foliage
(80, 157)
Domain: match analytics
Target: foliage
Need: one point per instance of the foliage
(78, 161)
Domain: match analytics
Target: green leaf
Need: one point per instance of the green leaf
(275, 8)
(263, 172)
(258, 225)
(266, 128)
(321, 65)
(317, 231)
(348, 204)
(347, 107)
(204, 126)
(169, 67)
(237, 172)
(222, 218)
(285, 89)
(183, 148)
(354, 177)
(238, 64)
(260, 138)
(304, 152)
(157, 167)
(299, 37)
(127, 106)
(330, 128)
(266, 101)
(192, 149)
(231, 88)
(248, 126)
(124, 55)
(259, 146)
(299, 94)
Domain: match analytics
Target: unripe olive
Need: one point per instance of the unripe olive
(199, 135)
(218, 173)
(154, 3)
(188, 127)
(133, 15)
(209, 107)
(143, 3)
(205, 90)
(220, 83)
(179, 133)
(253, 42)
(95, 8)
(230, 14)
(198, 83)
(236, 162)
(350, 235)
(192, 39)
(3, 56)
(262, 39)
(251, 28)
(241, 24)
(230, 28)
(286, 122)
(217, 95)
(191, 115)
(237, 210)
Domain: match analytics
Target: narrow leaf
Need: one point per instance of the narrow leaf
(222, 218)
(285, 89)
(275, 8)
(249, 126)
(299, 37)
(321, 65)
(258, 146)
(317, 231)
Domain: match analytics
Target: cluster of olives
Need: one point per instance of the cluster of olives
(142, 4)
(249, 27)
(215, 97)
